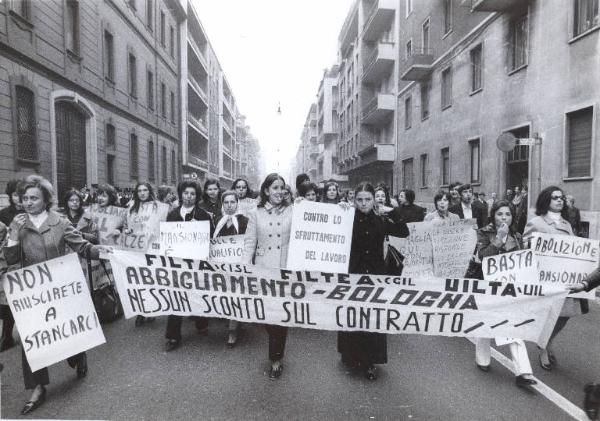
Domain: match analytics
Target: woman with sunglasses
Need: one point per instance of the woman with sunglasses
(551, 211)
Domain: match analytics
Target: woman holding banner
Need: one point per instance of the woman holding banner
(139, 223)
(231, 223)
(211, 198)
(35, 237)
(441, 201)
(498, 237)
(551, 211)
(189, 193)
(365, 349)
(308, 191)
(266, 244)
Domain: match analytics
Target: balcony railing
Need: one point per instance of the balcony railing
(199, 52)
(379, 109)
(379, 19)
(198, 123)
(418, 64)
(493, 5)
(198, 88)
(380, 62)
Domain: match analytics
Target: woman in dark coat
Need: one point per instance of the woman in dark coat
(188, 210)
(365, 349)
(6, 216)
(231, 223)
(211, 199)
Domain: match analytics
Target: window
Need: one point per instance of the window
(132, 4)
(476, 68)
(163, 100)
(151, 173)
(150, 89)
(445, 166)
(172, 41)
(425, 37)
(424, 170)
(164, 164)
(407, 174)
(149, 10)
(132, 75)
(585, 15)
(579, 132)
(23, 8)
(474, 146)
(72, 29)
(519, 42)
(109, 56)
(425, 90)
(110, 137)
(447, 16)
(409, 7)
(110, 169)
(173, 167)
(133, 156)
(172, 107)
(408, 48)
(407, 112)
(162, 28)
(27, 149)
(446, 88)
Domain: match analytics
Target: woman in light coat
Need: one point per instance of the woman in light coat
(266, 244)
(549, 208)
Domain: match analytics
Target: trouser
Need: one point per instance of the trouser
(174, 326)
(8, 322)
(518, 351)
(32, 379)
(233, 325)
(277, 338)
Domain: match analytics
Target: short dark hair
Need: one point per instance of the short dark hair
(70, 193)
(463, 187)
(187, 184)
(305, 187)
(452, 186)
(365, 186)
(500, 204)
(439, 196)
(301, 178)
(12, 187)
(409, 194)
(207, 183)
(542, 204)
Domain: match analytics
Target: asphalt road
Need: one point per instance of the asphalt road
(131, 377)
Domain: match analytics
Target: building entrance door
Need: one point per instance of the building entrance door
(517, 162)
(71, 168)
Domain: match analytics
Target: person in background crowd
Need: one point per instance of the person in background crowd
(490, 202)
(498, 237)
(7, 215)
(266, 244)
(363, 350)
(211, 198)
(573, 215)
(383, 204)
(550, 210)
(331, 193)
(242, 188)
(86, 197)
(189, 193)
(35, 237)
(231, 223)
(509, 195)
(466, 210)
(288, 195)
(479, 208)
(454, 194)
(73, 205)
(301, 178)
(143, 200)
(164, 194)
(486, 208)
(350, 197)
(408, 211)
(308, 191)
(441, 201)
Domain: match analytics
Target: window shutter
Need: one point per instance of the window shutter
(580, 142)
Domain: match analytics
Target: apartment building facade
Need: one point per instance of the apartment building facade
(473, 70)
(90, 91)
(368, 72)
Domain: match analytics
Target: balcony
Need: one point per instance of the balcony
(349, 30)
(200, 53)
(379, 63)
(418, 65)
(493, 5)
(379, 19)
(227, 127)
(198, 89)
(380, 109)
(198, 124)
(314, 150)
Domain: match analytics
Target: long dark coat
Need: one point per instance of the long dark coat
(366, 256)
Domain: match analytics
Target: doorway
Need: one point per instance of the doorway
(71, 158)
(517, 162)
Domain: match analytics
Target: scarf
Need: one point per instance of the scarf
(224, 220)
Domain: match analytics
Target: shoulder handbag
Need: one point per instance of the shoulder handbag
(394, 261)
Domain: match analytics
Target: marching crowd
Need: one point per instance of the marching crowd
(35, 227)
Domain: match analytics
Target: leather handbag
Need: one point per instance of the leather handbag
(394, 261)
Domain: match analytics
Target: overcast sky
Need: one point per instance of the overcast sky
(274, 51)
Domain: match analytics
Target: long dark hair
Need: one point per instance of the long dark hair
(66, 199)
(136, 200)
(269, 180)
(324, 199)
(439, 195)
(249, 192)
(542, 204)
(207, 183)
(110, 192)
(12, 187)
(500, 204)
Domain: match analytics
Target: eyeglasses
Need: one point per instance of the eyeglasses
(563, 198)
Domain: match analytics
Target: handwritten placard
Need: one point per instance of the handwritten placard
(189, 239)
(228, 249)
